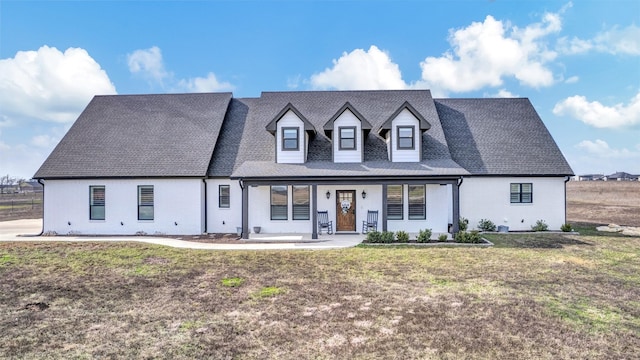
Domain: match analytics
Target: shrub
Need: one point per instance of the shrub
(402, 236)
(373, 237)
(486, 225)
(424, 236)
(442, 237)
(387, 237)
(540, 226)
(566, 227)
(463, 223)
(472, 237)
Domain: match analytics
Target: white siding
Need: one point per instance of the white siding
(437, 203)
(347, 118)
(290, 157)
(175, 201)
(406, 118)
(489, 198)
(224, 220)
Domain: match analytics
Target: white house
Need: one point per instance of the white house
(194, 163)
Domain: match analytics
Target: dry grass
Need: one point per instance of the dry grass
(604, 202)
(559, 297)
(20, 206)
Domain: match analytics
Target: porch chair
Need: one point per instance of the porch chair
(371, 222)
(324, 223)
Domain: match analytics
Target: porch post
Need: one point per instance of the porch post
(245, 211)
(384, 207)
(314, 211)
(456, 207)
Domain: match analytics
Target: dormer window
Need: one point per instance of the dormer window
(347, 138)
(406, 137)
(290, 139)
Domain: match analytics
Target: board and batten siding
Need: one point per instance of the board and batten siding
(291, 120)
(178, 207)
(347, 119)
(406, 118)
(489, 198)
(223, 220)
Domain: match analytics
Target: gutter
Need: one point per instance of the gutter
(42, 231)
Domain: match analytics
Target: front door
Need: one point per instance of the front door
(345, 210)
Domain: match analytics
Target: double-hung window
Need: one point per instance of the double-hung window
(300, 202)
(290, 139)
(521, 193)
(406, 137)
(347, 138)
(223, 196)
(279, 202)
(96, 202)
(145, 202)
(394, 202)
(417, 202)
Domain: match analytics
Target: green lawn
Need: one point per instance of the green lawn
(531, 296)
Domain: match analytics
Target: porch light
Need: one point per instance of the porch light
(364, 194)
(328, 194)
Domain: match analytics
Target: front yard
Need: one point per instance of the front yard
(534, 296)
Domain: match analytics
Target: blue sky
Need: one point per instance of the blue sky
(578, 62)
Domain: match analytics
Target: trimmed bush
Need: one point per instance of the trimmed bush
(387, 237)
(402, 236)
(540, 226)
(566, 227)
(442, 237)
(424, 236)
(373, 237)
(471, 237)
(463, 223)
(486, 225)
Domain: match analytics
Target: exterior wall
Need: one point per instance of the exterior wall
(290, 157)
(175, 201)
(438, 199)
(260, 213)
(223, 220)
(347, 118)
(489, 198)
(405, 118)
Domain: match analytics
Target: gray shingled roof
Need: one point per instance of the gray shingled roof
(499, 137)
(258, 145)
(140, 136)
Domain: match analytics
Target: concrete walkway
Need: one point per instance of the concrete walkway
(27, 230)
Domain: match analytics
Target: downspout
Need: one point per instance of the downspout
(565, 197)
(206, 202)
(42, 231)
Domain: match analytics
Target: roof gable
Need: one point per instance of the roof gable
(272, 125)
(386, 126)
(364, 124)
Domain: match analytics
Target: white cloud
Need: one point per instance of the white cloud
(596, 114)
(615, 41)
(504, 93)
(601, 149)
(360, 70)
(572, 80)
(44, 141)
(206, 84)
(148, 63)
(484, 53)
(50, 85)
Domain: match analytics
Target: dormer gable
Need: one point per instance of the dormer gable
(292, 133)
(347, 130)
(403, 134)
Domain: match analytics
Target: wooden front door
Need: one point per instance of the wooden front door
(345, 210)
